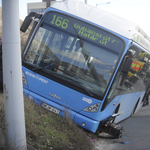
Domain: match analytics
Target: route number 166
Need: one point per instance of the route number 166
(59, 21)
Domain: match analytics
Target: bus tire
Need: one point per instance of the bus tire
(146, 97)
(134, 109)
(120, 135)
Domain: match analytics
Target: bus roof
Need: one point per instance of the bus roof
(107, 20)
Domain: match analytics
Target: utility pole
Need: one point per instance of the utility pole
(85, 1)
(102, 3)
(12, 77)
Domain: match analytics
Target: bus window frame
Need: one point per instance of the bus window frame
(123, 39)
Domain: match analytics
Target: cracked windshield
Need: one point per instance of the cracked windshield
(75, 52)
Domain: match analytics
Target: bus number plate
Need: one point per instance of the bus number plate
(52, 109)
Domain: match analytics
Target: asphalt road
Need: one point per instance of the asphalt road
(136, 135)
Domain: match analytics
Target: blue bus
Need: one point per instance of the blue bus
(87, 62)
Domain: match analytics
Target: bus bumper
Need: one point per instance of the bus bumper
(79, 119)
(86, 123)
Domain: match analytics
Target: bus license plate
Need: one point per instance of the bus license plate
(52, 109)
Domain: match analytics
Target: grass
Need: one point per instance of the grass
(46, 131)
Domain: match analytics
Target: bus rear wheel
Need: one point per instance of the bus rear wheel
(146, 98)
(134, 109)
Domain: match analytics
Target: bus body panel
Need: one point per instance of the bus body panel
(90, 124)
(61, 99)
(127, 104)
(62, 95)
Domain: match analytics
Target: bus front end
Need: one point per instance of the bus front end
(68, 65)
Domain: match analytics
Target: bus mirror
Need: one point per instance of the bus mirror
(127, 65)
(28, 20)
(26, 24)
(125, 69)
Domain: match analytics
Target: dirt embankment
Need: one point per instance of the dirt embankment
(23, 36)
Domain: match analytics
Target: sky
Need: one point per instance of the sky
(136, 11)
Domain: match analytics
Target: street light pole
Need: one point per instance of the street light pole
(12, 77)
(102, 3)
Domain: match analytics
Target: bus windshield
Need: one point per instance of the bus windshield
(75, 52)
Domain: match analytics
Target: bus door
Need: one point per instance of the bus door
(129, 86)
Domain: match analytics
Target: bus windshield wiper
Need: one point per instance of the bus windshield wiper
(37, 68)
(81, 85)
(65, 72)
(51, 65)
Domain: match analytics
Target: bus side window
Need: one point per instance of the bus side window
(127, 76)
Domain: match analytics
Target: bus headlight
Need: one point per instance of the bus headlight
(24, 79)
(92, 108)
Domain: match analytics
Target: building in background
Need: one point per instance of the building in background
(49, 2)
(36, 7)
(39, 7)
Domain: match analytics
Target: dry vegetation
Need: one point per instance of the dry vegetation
(45, 130)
